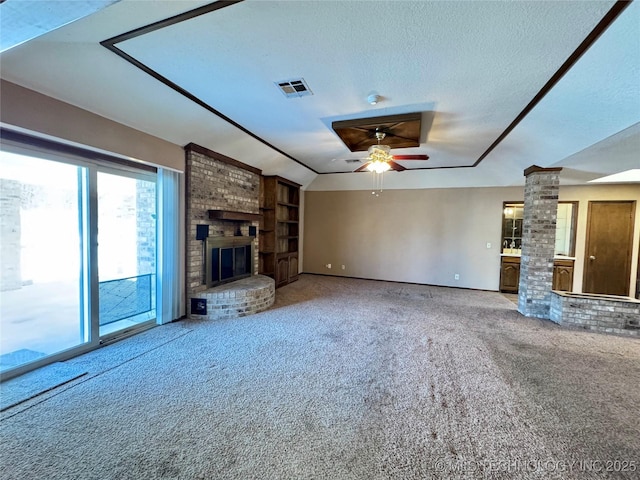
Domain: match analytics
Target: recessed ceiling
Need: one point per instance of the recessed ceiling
(471, 68)
(400, 131)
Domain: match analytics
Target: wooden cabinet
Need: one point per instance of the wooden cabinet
(563, 275)
(286, 268)
(279, 229)
(510, 275)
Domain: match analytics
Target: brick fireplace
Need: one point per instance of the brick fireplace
(222, 195)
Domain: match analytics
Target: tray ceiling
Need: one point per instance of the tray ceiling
(469, 68)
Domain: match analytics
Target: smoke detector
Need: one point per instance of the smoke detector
(373, 99)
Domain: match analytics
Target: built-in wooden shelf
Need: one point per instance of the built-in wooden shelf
(234, 216)
(279, 229)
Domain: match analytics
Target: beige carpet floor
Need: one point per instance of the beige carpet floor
(342, 379)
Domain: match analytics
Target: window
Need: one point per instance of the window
(512, 222)
(77, 251)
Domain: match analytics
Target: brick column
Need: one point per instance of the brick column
(538, 240)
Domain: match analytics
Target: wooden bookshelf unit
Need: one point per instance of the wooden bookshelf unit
(279, 229)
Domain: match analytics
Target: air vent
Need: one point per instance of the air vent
(353, 160)
(294, 88)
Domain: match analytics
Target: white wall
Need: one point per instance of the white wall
(421, 236)
(427, 236)
(41, 114)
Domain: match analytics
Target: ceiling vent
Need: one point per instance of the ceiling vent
(353, 160)
(294, 88)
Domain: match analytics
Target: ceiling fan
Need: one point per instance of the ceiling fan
(398, 131)
(380, 159)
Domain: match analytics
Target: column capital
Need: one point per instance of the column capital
(537, 169)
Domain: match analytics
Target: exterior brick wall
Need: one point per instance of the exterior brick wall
(602, 313)
(538, 241)
(10, 246)
(215, 183)
(146, 226)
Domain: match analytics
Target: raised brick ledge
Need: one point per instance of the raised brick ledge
(601, 313)
(237, 299)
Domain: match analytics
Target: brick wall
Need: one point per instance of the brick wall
(538, 241)
(238, 299)
(216, 182)
(602, 313)
(10, 245)
(146, 226)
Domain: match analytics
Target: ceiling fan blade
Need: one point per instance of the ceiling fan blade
(389, 127)
(362, 168)
(368, 131)
(391, 134)
(396, 166)
(411, 157)
(365, 143)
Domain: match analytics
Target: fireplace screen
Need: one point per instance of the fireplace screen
(228, 259)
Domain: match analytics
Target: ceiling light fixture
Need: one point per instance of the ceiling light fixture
(373, 99)
(379, 158)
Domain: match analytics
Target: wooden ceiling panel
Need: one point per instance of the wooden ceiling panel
(401, 131)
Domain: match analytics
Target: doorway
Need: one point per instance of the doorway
(126, 249)
(78, 243)
(609, 242)
(43, 281)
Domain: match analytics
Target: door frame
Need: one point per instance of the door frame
(91, 162)
(638, 275)
(587, 239)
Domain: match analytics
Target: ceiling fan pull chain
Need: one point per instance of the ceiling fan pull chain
(377, 183)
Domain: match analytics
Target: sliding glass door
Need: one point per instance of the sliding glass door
(43, 278)
(126, 250)
(77, 255)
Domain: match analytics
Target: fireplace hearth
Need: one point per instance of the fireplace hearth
(228, 259)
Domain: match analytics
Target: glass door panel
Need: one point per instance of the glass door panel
(126, 251)
(42, 298)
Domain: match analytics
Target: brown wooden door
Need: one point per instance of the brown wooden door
(607, 264)
(638, 275)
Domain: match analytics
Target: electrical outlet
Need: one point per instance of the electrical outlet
(328, 265)
(488, 244)
(343, 267)
(456, 276)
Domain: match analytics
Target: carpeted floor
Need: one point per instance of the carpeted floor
(36, 383)
(342, 379)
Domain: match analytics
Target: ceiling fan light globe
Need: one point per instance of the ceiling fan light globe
(380, 154)
(380, 150)
(378, 166)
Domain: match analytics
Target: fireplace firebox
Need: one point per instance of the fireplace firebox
(228, 259)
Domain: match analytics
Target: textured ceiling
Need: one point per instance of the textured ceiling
(470, 67)
(24, 20)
